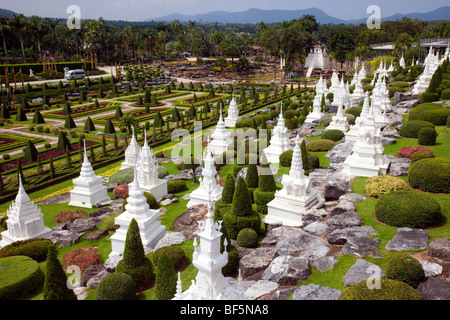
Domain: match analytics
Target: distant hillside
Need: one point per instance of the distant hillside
(252, 16)
(274, 16)
(7, 13)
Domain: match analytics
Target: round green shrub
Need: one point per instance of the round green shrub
(406, 269)
(393, 90)
(427, 137)
(389, 290)
(19, 276)
(320, 145)
(247, 238)
(421, 155)
(411, 128)
(286, 158)
(175, 254)
(430, 112)
(430, 175)
(445, 94)
(334, 135)
(151, 201)
(314, 161)
(401, 84)
(326, 119)
(379, 185)
(355, 111)
(410, 209)
(176, 186)
(124, 176)
(116, 286)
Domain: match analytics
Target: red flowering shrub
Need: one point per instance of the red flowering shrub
(121, 191)
(407, 152)
(83, 258)
(69, 215)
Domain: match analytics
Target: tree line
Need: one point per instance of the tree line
(34, 38)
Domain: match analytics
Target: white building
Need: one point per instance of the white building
(296, 197)
(25, 220)
(88, 190)
(150, 227)
(279, 141)
(221, 139)
(233, 114)
(210, 284)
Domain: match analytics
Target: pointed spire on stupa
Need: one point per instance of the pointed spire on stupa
(297, 170)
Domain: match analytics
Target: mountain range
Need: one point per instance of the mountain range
(275, 16)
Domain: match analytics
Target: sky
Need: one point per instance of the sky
(138, 10)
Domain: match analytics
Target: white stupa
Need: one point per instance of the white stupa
(339, 121)
(358, 92)
(88, 190)
(209, 186)
(210, 284)
(367, 158)
(133, 150)
(402, 62)
(279, 141)
(352, 134)
(150, 227)
(221, 139)
(147, 172)
(25, 220)
(334, 88)
(233, 114)
(431, 63)
(316, 113)
(296, 197)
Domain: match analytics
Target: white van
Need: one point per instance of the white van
(75, 74)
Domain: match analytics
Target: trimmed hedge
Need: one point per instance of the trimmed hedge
(176, 186)
(421, 155)
(175, 254)
(379, 185)
(334, 135)
(247, 238)
(429, 97)
(36, 249)
(19, 276)
(430, 175)
(166, 278)
(234, 224)
(390, 290)
(262, 198)
(445, 94)
(430, 112)
(116, 286)
(406, 269)
(410, 209)
(427, 137)
(320, 145)
(411, 128)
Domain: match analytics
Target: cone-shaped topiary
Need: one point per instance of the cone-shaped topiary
(119, 113)
(242, 205)
(228, 190)
(134, 262)
(89, 125)
(55, 286)
(109, 127)
(266, 180)
(30, 153)
(67, 108)
(166, 278)
(62, 142)
(21, 116)
(69, 123)
(4, 112)
(38, 118)
(252, 178)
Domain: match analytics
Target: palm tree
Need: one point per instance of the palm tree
(39, 28)
(4, 26)
(19, 25)
(129, 120)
